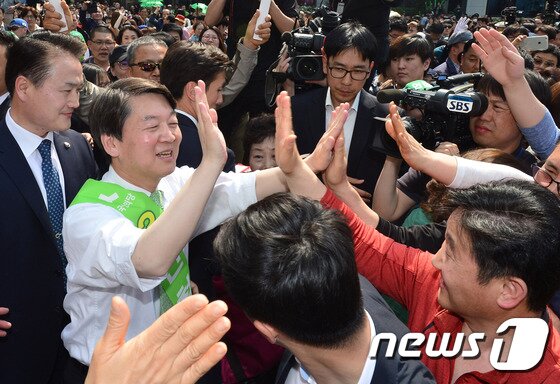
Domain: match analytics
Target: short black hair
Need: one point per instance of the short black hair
(171, 27)
(100, 29)
(111, 107)
(32, 56)
(258, 128)
(398, 25)
(411, 45)
(552, 49)
(125, 28)
(187, 61)
(351, 35)
(537, 83)
(513, 228)
(289, 263)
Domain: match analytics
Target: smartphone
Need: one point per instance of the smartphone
(58, 8)
(535, 43)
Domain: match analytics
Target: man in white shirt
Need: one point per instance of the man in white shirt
(109, 251)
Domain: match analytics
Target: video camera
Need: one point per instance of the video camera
(446, 109)
(304, 47)
(510, 14)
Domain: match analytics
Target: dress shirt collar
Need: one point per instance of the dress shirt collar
(111, 176)
(188, 115)
(353, 106)
(369, 364)
(4, 97)
(27, 141)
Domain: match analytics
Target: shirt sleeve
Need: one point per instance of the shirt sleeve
(232, 194)
(396, 270)
(471, 172)
(99, 243)
(542, 137)
(245, 60)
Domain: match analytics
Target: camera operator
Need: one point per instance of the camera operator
(516, 112)
(347, 58)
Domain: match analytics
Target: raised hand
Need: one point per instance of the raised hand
(211, 138)
(499, 56)
(53, 20)
(182, 345)
(287, 155)
(411, 150)
(335, 174)
(319, 160)
(263, 31)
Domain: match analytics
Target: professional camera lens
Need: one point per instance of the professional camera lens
(308, 68)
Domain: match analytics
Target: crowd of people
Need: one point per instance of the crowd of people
(163, 223)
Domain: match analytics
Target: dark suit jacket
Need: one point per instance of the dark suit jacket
(31, 273)
(308, 115)
(387, 370)
(190, 150)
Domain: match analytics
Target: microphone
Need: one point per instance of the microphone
(388, 95)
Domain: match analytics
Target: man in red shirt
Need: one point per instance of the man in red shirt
(500, 260)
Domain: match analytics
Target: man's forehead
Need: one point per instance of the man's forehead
(150, 51)
(350, 57)
(101, 35)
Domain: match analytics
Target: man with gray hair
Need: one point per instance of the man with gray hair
(145, 56)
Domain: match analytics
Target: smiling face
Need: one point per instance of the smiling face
(49, 106)
(460, 291)
(345, 89)
(150, 142)
(210, 37)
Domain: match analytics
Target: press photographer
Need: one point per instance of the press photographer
(445, 110)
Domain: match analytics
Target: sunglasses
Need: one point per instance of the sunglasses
(146, 66)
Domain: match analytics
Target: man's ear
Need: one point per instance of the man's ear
(426, 64)
(268, 331)
(325, 61)
(188, 91)
(21, 87)
(110, 145)
(514, 292)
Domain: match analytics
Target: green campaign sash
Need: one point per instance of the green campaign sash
(142, 211)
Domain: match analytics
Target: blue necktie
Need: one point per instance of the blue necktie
(55, 201)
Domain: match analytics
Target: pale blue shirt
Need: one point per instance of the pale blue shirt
(350, 121)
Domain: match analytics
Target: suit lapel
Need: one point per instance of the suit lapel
(66, 156)
(361, 134)
(16, 167)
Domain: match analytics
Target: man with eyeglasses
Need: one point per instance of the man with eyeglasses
(101, 44)
(144, 56)
(348, 54)
(547, 62)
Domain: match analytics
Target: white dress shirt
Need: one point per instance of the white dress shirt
(99, 243)
(350, 120)
(28, 143)
(298, 374)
